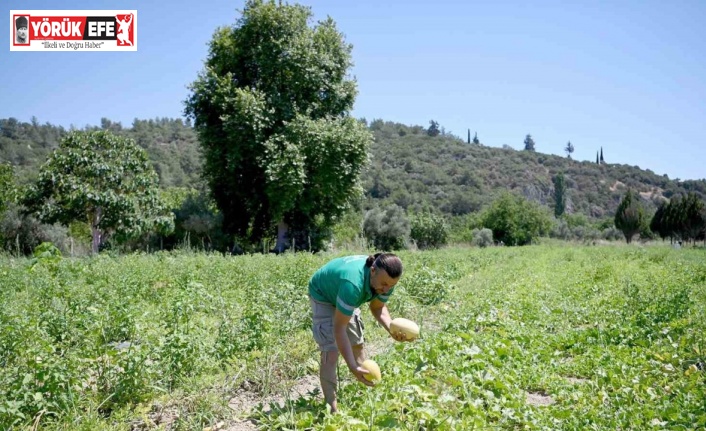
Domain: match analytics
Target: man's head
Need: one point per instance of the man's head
(385, 272)
(21, 24)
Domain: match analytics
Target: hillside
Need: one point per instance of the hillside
(408, 167)
(413, 169)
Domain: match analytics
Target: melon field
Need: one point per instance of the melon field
(548, 337)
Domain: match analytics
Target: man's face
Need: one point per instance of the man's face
(380, 281)
(22, 32)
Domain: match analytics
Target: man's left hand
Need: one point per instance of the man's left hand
(399, 336)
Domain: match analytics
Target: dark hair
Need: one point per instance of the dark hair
(386, 261)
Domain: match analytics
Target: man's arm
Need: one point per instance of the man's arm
(340, 326)
(381, 314)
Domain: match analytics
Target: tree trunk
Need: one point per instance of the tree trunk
(282, 229)
(97, 234)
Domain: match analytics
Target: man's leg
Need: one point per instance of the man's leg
(329, 379)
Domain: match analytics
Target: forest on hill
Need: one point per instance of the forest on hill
(408, 167)
(414, 168)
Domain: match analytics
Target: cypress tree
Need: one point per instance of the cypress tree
(629, 218)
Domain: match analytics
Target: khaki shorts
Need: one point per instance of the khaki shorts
(322, 327)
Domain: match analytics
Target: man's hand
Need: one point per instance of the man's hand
(360, 373)
(399, 336)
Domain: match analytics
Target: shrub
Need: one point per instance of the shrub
(482, 237)
(387, 229)
(561, 230)
(25, 232)
(516, 221)
(612, 233)
(429, 230)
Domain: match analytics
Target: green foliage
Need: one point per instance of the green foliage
(630, 216)
(271, 110)
(46, 254)
(197, 221)
(482, 237)
(429, 230)
(569, 149)
(433, 129)
(348, 228)
(408, 168)
(427, 286)
(416, 171)
(610, 337)
(529, 143)
(658, 223)
(170, 144)
(335, 151)
(7, 192)
(21, 233)
(516, 221)
(104, 180)
(559, 195)
(694, 224)
(576, 220)
(387, 229)
(461, 228)
(7, 187)
(684, 217)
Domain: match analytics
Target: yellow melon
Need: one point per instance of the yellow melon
(373, 370)
(404, 326)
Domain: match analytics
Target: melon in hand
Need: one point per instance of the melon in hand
(406, 327)
(373, 370)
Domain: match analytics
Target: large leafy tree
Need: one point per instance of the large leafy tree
(516, 221)
(104, 180)
(630, 216)
(529, 143)
(272, 111)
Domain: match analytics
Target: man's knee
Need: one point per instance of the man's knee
(329, 358)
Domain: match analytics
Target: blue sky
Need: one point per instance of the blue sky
(629, 76)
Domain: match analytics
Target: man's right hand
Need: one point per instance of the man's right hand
(360, 373)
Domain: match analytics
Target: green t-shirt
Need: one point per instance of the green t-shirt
(345, 283)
